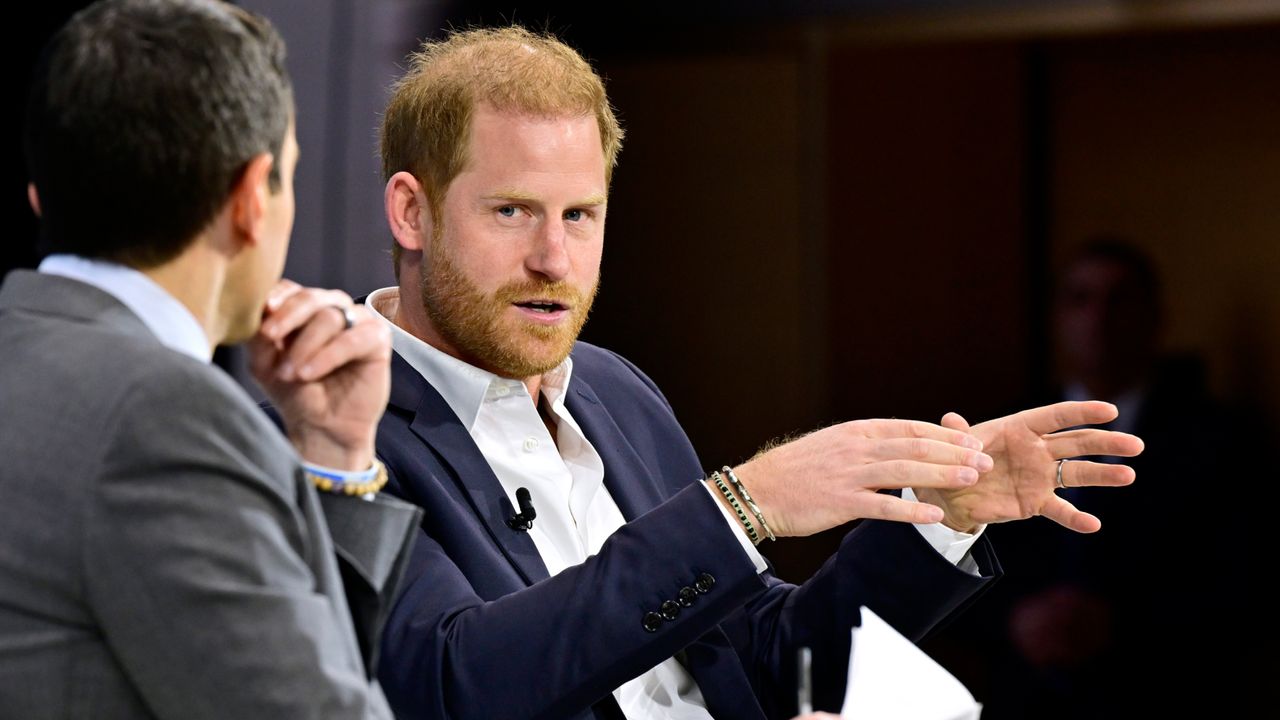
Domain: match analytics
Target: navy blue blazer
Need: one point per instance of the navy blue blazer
(481, 631)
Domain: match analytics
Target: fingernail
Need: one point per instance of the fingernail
(933, 514)
(286, 371)
(983, 462)
(306, 372)
(972, 442)
(968, 475)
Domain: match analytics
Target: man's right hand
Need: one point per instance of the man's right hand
(832, 476)
(329, 382)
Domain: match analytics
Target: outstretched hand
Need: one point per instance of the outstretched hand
(1026, 448)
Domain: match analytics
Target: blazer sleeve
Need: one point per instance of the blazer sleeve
(207, 566)
(553, 649)
(888, 567)
(371, 542)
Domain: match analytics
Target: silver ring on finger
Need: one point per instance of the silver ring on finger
(1061, 463)
(348, 316)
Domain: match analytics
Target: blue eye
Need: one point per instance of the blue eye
(573, 215)
(507, 211)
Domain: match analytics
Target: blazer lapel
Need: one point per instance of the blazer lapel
(628, 478)
(439, 429)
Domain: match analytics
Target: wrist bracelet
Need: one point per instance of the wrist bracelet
(353, 484)
(751, 504)
(752, 535)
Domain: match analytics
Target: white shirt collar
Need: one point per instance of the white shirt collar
(166, 318)
(464, 387)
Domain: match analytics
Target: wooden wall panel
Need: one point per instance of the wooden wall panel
(1174, 142)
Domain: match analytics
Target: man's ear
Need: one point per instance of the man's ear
(408, 213)
(33, 198)
(248, 200)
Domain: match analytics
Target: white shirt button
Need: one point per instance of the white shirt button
(502, 391)
(530, 444)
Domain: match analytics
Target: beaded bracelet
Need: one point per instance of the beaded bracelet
(746, 497)
(353, 484)
(737, 507)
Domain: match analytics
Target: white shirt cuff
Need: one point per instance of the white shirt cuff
(756, 558)
(951, 544)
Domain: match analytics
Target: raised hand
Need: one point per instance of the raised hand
(831, 476)
(330, 382)
(1026, 447)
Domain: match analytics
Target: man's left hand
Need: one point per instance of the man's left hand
(1026, 447)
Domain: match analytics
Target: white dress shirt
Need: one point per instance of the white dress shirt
(576, 513)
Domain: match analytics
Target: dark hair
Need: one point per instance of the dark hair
(142, 116)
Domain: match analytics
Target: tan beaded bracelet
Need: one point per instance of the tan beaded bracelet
(326, 482)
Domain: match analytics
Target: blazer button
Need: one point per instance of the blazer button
(669, 610)
(704, 583)
(652, 621)
(686, 596)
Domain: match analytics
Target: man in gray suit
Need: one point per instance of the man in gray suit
(163, 549)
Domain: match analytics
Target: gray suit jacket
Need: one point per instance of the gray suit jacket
(161, 553)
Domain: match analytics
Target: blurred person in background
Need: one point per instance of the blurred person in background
(1162, 587)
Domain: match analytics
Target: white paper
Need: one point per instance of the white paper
(889, 677)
